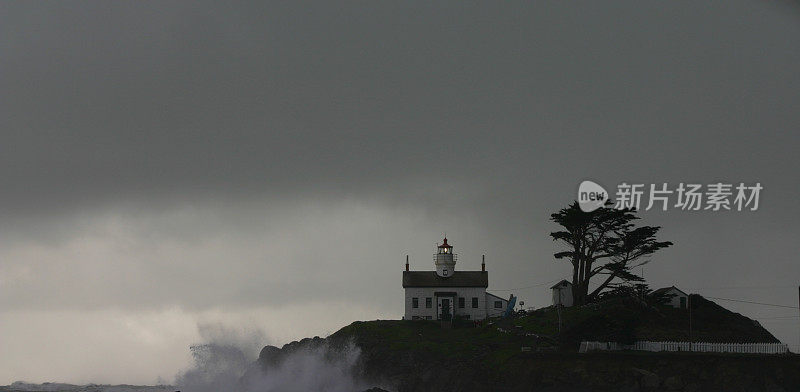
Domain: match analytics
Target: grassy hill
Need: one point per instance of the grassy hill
(620, 320)
(627, 320)
(423, 356)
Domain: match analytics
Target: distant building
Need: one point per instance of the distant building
(447, 293)
(678, 300)
(562, 293)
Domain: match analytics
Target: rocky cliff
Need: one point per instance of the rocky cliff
(423, 356)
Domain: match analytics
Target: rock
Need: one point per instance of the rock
(771, 386)
(693, 387)
(268, 351)
(647, 379)
(673, 383)
(270, 356)
(630, 388)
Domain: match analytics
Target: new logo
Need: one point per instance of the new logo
(591, 196)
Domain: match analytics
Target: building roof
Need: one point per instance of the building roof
(457, 279)
(501, 298)
(665, 289)
(445, 244)
(563, 282)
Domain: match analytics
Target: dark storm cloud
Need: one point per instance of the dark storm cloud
(118, 100)
(206, 155)
(495, 112)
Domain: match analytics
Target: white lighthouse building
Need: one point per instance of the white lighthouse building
(447, 293)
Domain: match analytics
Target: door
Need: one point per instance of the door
(445, 309)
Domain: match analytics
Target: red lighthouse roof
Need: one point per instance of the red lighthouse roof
(445, 244)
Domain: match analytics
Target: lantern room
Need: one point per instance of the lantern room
(445, 247)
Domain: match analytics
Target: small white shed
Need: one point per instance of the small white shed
(562, 293)
(678, 300)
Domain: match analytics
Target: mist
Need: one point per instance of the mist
(226, 362)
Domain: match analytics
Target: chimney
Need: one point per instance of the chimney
(406, 262)
(483, 263)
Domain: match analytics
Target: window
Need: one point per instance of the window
(444, 272)
(683, 302)
(466, 316)
(461, 302)
(428, 302)
(475, 302)
(498, 304)
(414, 302)
(428, 317)
(415, 317)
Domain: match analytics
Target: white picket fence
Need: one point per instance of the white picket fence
(744, 348)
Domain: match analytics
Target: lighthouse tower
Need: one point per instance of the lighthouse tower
(445, 259)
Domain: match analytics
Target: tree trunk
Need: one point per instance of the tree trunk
(579, 287)
(575, 279)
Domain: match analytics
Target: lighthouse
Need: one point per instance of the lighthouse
(445, 259)
(445, 293)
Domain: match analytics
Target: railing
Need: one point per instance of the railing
(703, 347)
(455, 256)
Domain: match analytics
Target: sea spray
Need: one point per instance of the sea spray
(310, 368)
(227, 362)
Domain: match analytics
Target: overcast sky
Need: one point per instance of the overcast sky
(165, 166)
